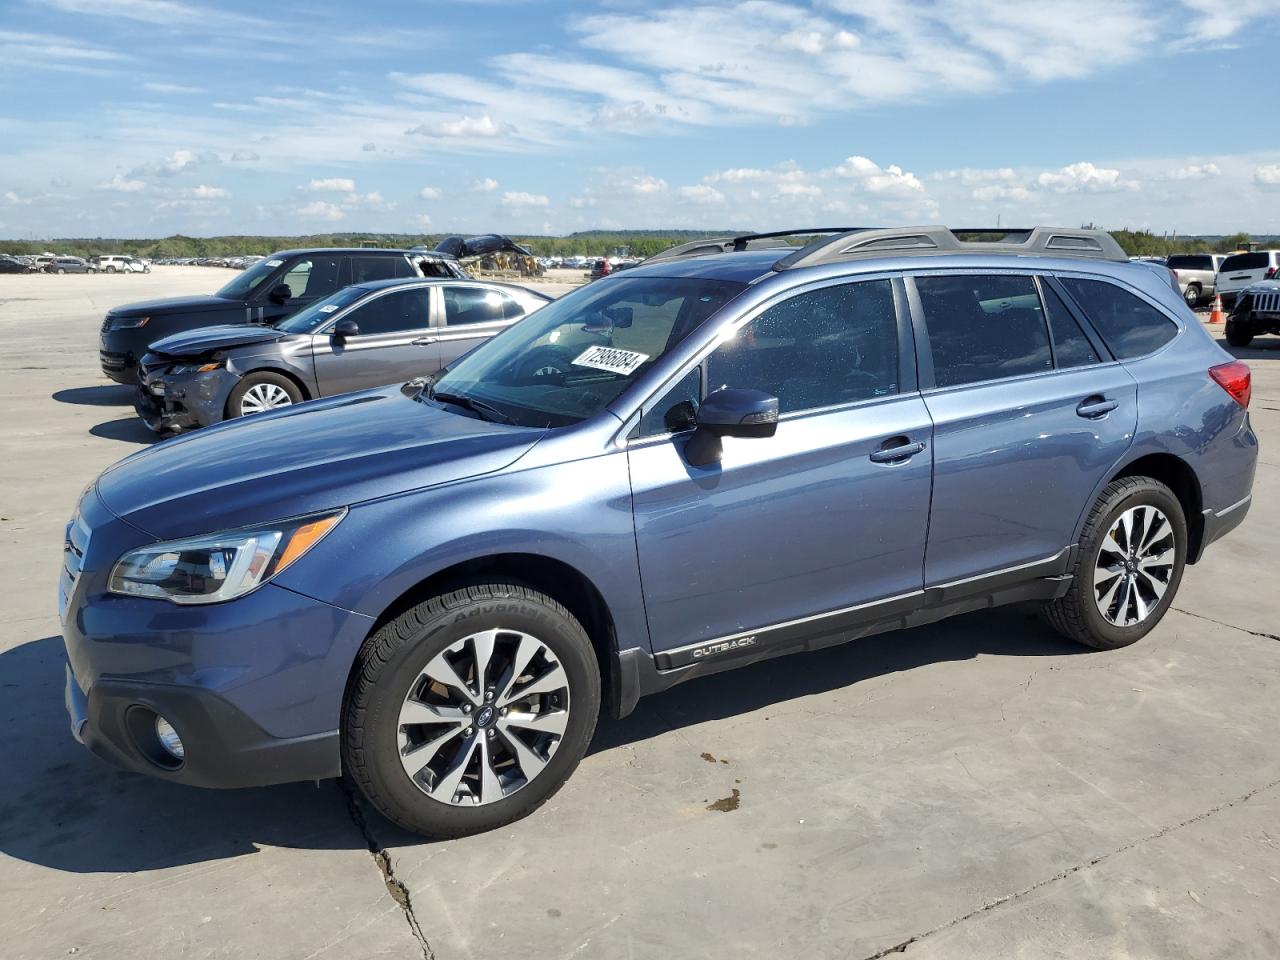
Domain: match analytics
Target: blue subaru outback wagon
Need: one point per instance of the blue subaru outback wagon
(737, 450)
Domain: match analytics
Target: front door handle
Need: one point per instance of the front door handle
(424, 341)
(1091, 408)
(895, 450)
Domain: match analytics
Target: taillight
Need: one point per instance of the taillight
(1236, 378)
(1271, 273)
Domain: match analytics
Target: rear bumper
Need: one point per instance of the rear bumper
(1218, 523)
(223, 747)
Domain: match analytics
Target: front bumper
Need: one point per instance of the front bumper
(223, 747)
(120, 367)
(253, 686)
(169, 404)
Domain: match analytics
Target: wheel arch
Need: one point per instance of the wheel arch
(307, 392)
(1179, 476)
(556, 578)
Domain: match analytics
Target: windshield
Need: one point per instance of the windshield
(250, 280)
(314, 314)
(573, 357)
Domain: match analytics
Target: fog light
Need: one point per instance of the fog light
(169, 738)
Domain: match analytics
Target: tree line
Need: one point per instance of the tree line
(594, 243)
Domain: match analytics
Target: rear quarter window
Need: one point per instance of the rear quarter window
(1129, 325)
(1189, 262)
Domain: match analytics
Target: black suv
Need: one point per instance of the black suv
(271, 289)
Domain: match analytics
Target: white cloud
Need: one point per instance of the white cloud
(644, 185)
(581, 203)
(484, 185)
(245, 156)
(701, 193)
(203, 192)
(465, 128)
(332, 185)
(517, 200)
(1267, 175)
(430, 193)
(999, 191)
(891, 180)
(368, 147)
(1084, 177)
(122, 185)
(174, 88)
(799, 190)
(422, 220)
(321, 210)
(1195, 171)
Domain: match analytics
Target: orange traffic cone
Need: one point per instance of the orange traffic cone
(1215, 315)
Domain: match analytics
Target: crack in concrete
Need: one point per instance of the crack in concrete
(1223, 623)
(902, 946)
(395, 886)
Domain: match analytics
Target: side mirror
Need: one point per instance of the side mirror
(730, 413)
(343, 329)
(280, 293)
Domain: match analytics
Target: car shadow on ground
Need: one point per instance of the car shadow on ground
(106, 395)
(62, 808)
(128, 429)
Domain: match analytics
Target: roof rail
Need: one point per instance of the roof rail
(934, 240)
(743, 241)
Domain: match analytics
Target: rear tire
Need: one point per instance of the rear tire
(472, 751)
(1132, 552)
(1192, 294)
(111, 269)
(261, 391)
(1238, 335)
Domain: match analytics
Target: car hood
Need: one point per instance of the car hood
(194, 343)
(1262, 286)
(174, 305)
(313, 456)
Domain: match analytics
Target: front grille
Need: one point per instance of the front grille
(1268, 302)
(111, 361)
(73, 551)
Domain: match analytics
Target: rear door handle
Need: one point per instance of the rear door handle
(1091, 408)
(424, 341)
(895, 450)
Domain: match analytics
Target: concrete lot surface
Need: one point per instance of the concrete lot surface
(977, 788)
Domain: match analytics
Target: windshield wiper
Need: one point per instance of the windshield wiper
(487, 411)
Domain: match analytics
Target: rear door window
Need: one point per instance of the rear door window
(984, 328)
(364, 269)
(313, 277)
(467, 305)
(1190, 262)
(1130, 326)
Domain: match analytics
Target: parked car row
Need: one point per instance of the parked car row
(235, 263)
(299, 325)
(49, 263)
(732, 452)
(1201, 276)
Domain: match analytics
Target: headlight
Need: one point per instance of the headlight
(180, 368)
(221, 566)
(128, 323)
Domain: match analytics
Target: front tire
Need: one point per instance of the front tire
(468, 711)
(1238, 334)
(111, 269)
(1132, 553)
(261, 391)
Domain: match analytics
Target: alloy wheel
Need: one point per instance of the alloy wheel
(483, 718)
(1135, 565)
(262, 397)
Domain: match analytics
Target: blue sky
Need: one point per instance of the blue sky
(151, 117)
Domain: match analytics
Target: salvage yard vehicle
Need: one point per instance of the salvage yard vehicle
(69, 265)
(1197, 274)
(268, 291)
(118, 263)
(1255, 312)
(9, 264)
(364, 335)
(1243, 269)
(716, 459)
